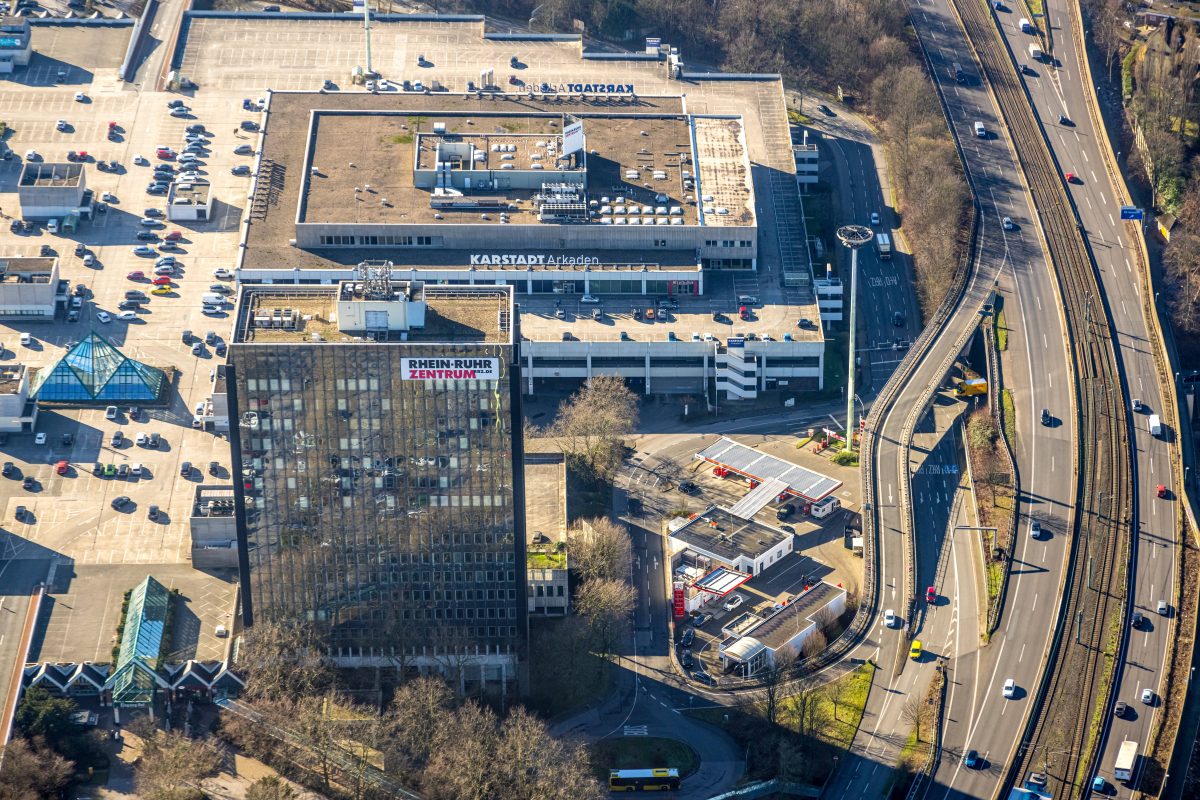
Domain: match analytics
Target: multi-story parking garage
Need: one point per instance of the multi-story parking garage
(655, 236)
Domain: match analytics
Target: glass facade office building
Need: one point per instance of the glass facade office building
(382, 495)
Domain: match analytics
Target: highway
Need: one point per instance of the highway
(1079, 148)
(977, 716)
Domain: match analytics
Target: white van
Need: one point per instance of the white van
(1156, 428)
(213, 299)
(26, 339)
(823, 508)
(52, 226)
(980, 131)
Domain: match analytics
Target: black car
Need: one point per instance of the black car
(97, 469)
(120, 502)
(1138, 620)
(27, 484)
(156, 188)
(153, 513)
(689, 636)
(220, 348)
(210, 337)
(20, 513)
(8, 469)
(703, 677)
(687, 660)
(68, 440)
(635, 505)
(155, 440)
(249, 125)
(123, 472)
(687, 487)
(785, 511)
(214, 468)
(129, 305)
(805, 323)
(1045, 416)
(185, 469)
(147, 236)
(826, 110)
(117, 438)
(197, 127)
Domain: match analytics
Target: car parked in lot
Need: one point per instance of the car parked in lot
(220, 273)
(120, 502)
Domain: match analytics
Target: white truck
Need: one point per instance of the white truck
(1126, 760)
(824, 507)
(1035, 51)
(1156, 428)
(1026, 27)
(884, 243)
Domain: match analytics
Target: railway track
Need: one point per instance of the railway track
(1061, 732)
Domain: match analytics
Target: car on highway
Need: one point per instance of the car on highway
(1008, 224)
(1137, 621)
(1148, 696)
(1160, 490)
(890, 619)
(1064, 120)
(1046, 419)
(1120, 710)
(1010, 688)
(733, 602)
(971, 759)
(931, 595)
(1035, 530)
(1163, 608)
(1071, 177)
(915, 651)
(875, 218)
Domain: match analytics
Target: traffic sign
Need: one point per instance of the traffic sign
(1132, 212)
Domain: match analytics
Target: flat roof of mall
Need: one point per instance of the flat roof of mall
(46, 174)
(377, 148)
(452, 314)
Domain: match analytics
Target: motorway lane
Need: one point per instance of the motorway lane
(1077, 147)
(1016, 651)
(1038, 377)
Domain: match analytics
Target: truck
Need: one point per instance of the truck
(971, 387)
(824, 507)
(884, 243)
(1035, 51)
(1026, 26)
(1126, 760)
(1156, 427)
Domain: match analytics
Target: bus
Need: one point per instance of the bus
(643, 780)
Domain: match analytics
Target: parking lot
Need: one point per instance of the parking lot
(102, 551)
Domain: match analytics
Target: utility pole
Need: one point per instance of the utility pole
(852, 237)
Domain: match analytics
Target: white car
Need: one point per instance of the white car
(220, 273)
(874, 217)
(89, 260)
(62, 125)
(166, 269)
(180, 111)
(128, 316)
(889, 618)
(590, 299)
(39, 439)
(1010, 688)
(80, 97)
(31, 155)
(1008, 224)
(141, 160)
(108, 197)
(1035, 530)
(733, 602)
(103, 316)
(1147, 694)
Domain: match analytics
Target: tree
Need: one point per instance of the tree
(915, 712)
(835, 693)
(600, 549)
(463, 763)
(32, 771)
(172, 766)
(419, 711)
(534, 766)
(590, 424)
(606, 605)
(775, 681)
(282, 659)
(270, 788)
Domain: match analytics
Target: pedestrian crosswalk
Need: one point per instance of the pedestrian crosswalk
(636, 730)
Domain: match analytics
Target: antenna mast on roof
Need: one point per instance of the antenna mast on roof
(376, 279)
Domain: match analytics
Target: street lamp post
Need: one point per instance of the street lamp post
(852, 237)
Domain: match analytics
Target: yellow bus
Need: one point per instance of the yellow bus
(643, 780)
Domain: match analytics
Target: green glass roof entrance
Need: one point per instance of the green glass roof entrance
(95, 370)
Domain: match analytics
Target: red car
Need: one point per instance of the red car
(112, 126)
(61, 467)
(162, 280)
(137, 275)
(1162, 490)
(83, 155)
(164, 152)
(1071, 177)
(931, 595)
(173, 236)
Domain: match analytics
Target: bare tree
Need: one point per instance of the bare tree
(915, 712)
(30, 770)
(600, 549)
(591, 423)
(463, 763)
(835, 693)
(419, 712)
(270, 788)
(172, 766)
(775, 680)
(607, 606)
(283, 659)
(810, 708)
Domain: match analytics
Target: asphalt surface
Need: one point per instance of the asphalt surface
(1060, 90)
(977, 716)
